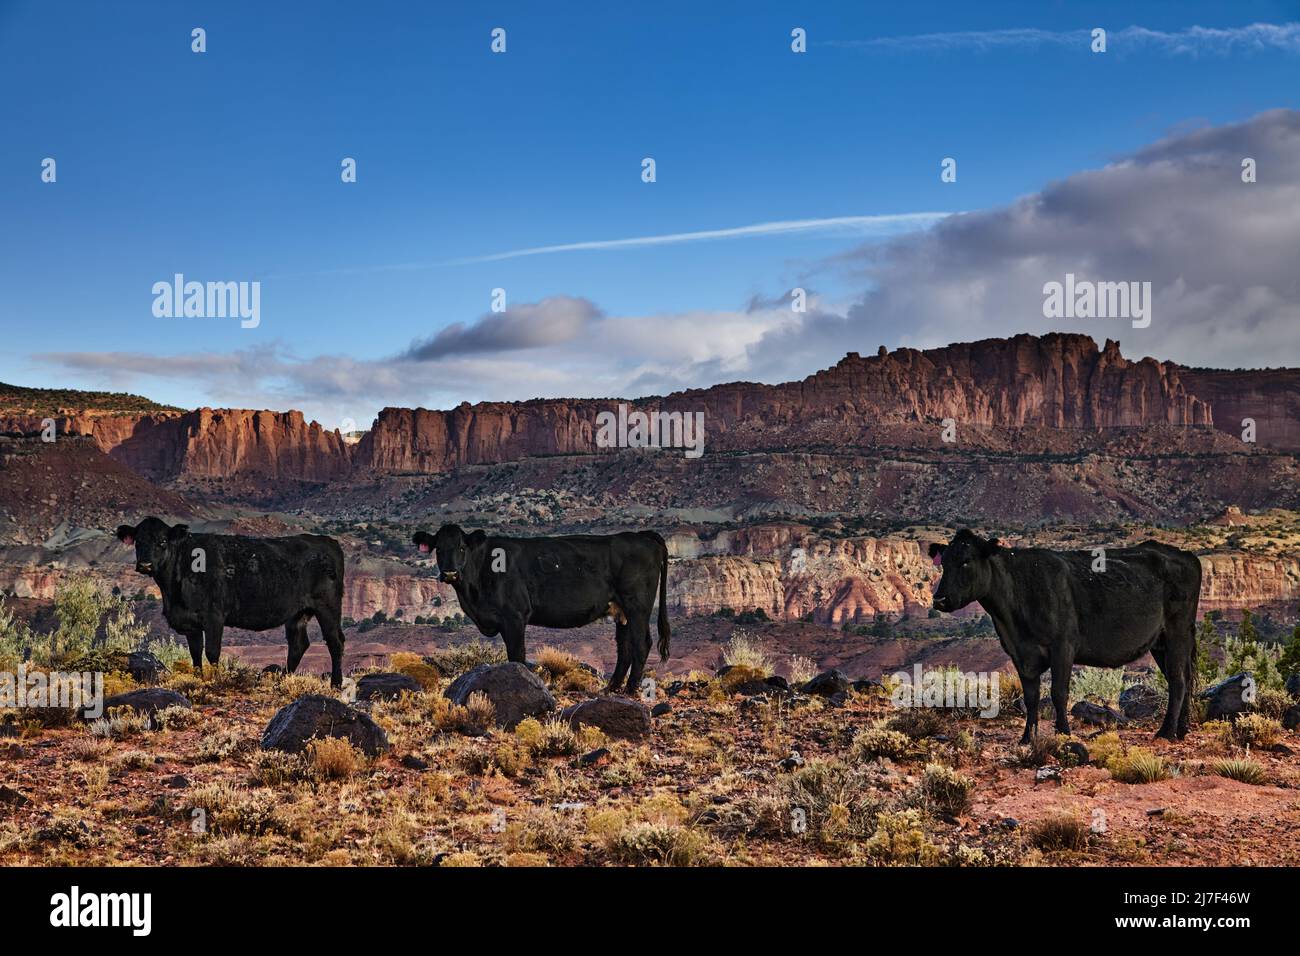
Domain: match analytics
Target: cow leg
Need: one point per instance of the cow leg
(212, 640)
(331, 629)
(512, 632)
(1062, 668)
(1178, 671)
(1029, 681)
(621, 666)
(295, 632)
(195, 640)
(638, 647)
(1185, 715)
(1177, 677)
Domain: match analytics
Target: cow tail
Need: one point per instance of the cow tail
(664, 632)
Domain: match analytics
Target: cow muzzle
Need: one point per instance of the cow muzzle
(449, 577)
(144, 567)
(940, 603)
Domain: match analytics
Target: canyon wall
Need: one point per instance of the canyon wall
(1061, 382)
(1054, 381)
(1269, 396)
(209, 443)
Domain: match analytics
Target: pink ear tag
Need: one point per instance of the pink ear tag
(128, 540)
(424, 546)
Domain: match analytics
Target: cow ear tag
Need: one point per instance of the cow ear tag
(129, 540)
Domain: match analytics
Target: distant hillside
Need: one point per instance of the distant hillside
(15, 399)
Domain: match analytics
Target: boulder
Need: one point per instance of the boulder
(388, 686)
(147, 700)
(618, 717)
(1141, 702)
(1292, 686)
(515, 691)
(143, 667)
(1227, 697)
(1096, 714)
(315, 715)
(828, 684)
(1291, 719)
(1074, 753)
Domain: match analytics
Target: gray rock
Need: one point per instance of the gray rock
(618, 717)
(828, 684)
(1141, 702)
(1225, 697)
(661, 708)
(1291, 719)
(315, 715)
(388, 686)
(515, 691)
(1096, 714)
(12, 797)
(147, 700)
(1074, 753)
(143, 667)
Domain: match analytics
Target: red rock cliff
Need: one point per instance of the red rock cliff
(1057, 381)
(209, 443)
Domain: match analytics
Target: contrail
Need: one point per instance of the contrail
(1284, 37)
(838, 225)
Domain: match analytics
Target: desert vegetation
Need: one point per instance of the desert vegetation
(726, 773)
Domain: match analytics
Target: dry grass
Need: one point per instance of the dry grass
(742, 651)
(875, 743)
(414, 666)
(946, 790)
(706, 789)
(1060, 831)
(333, 758)
(1139, 765)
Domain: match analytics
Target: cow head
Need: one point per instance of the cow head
(450, 547)
(153, 539)
(966, 569)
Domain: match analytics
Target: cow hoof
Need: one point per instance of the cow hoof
(1026, 740)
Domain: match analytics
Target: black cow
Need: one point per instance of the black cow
(505, 584)
(209, 581)
(1052, 610)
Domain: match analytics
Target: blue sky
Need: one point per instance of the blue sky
(225, 166)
